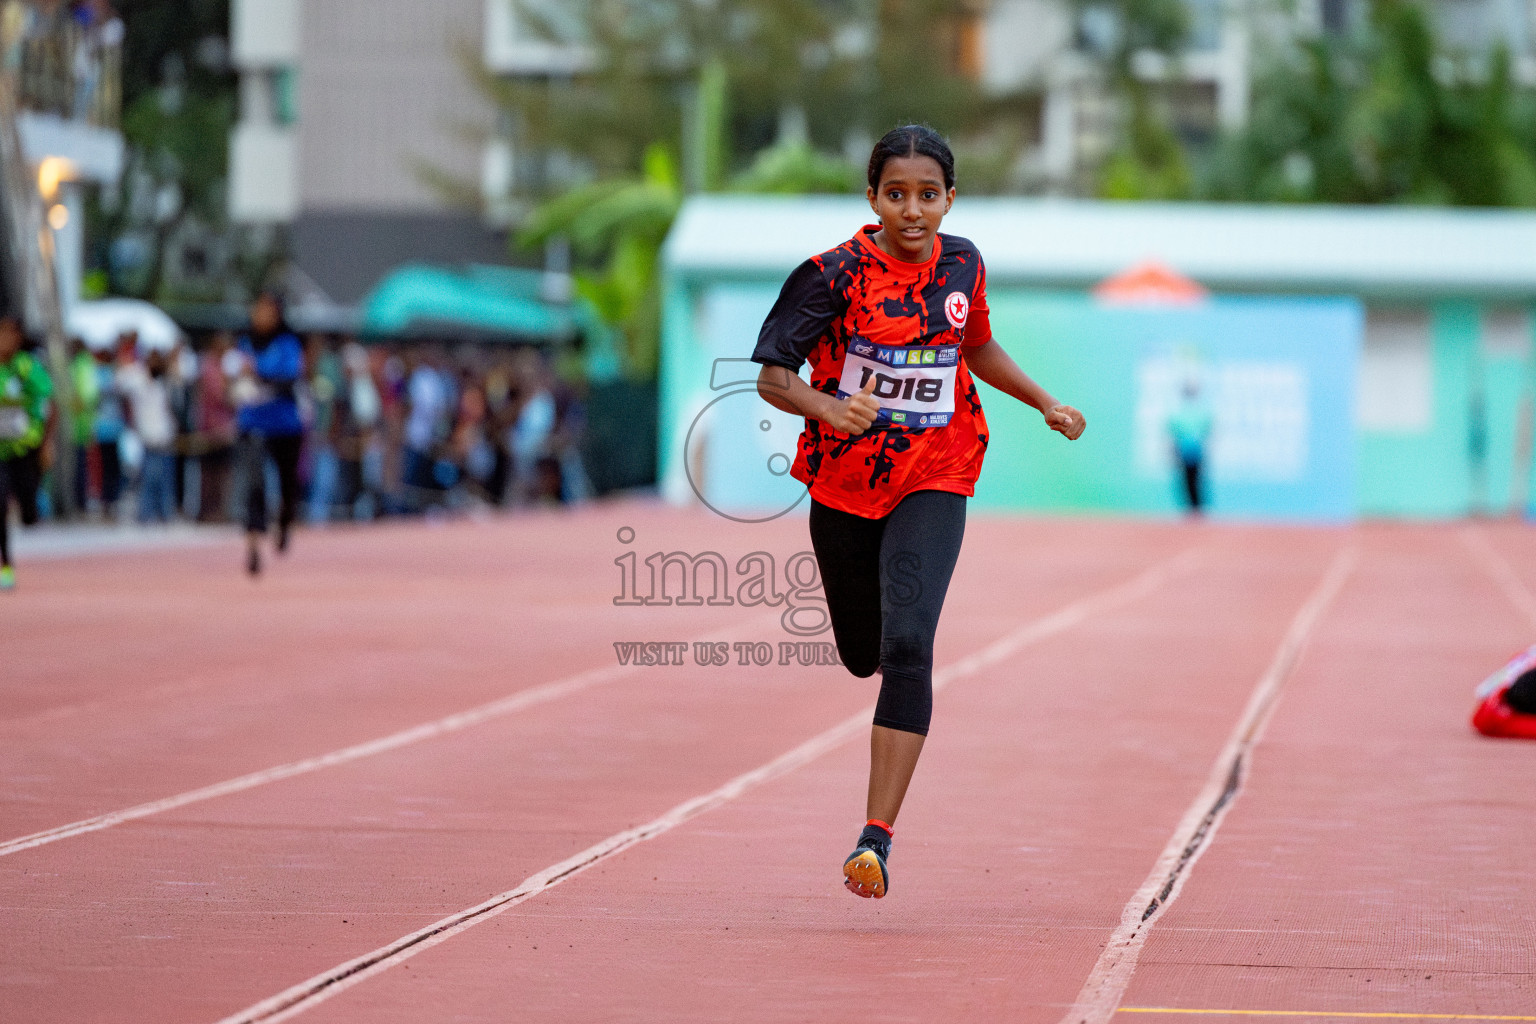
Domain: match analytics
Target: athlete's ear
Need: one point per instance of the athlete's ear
(869, 193)
(949, 200)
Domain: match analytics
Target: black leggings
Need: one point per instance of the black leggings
(885, 581)
(19, 479)
(284, 449)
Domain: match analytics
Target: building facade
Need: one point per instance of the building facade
(361, 132)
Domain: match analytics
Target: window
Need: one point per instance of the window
(1396, 372)
(535, 37)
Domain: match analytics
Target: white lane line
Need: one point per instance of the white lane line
(1500, 571)
(519, 701)
(1101, 993)
(308, 994)
(453, 723)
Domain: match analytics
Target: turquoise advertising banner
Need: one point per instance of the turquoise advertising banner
(1271, 380)
(1261, 390)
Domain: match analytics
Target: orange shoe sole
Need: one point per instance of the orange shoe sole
(864, 875)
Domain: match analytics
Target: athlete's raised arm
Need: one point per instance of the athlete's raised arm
(997, 368)
(787, 392)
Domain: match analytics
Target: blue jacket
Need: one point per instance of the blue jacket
(278, 367)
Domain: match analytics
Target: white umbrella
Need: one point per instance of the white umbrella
(99, 323)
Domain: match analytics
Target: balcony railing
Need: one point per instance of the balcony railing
(65, 59)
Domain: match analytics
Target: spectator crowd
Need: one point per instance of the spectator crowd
(390, 429)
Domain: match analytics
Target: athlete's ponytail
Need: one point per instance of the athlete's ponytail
(912, 140)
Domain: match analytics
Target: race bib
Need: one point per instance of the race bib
(914, 384)
(14, 423)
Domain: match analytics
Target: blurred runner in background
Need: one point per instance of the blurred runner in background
(265, 393)
(26, 428)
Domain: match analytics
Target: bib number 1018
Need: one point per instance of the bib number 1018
(914, 384)
(914, 388)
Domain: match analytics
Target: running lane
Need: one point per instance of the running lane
(133, 677)
(188, 915)
(1046, 791)
(1379, 858)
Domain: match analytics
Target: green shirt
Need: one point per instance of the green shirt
(86, 385)
(25, 391)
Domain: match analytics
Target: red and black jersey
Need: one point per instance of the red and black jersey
(856, 313)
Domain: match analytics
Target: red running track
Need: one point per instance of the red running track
(1375, 858)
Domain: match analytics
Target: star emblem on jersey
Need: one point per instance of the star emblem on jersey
(956, 308)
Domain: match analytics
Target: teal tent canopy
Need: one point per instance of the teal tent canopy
(478, 303)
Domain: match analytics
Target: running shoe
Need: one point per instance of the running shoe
(253, 561)
(7, 578)
(1494, 717)
(864, 871)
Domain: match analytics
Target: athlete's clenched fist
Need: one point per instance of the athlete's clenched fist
(1066, 420)
(855, 413)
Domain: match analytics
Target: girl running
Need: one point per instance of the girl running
(894, 322)
(268, 422)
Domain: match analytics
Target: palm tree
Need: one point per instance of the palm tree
(617, 227)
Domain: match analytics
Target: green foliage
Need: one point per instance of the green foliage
(178, 143)
(95, 285)
(1151, 163)
(618, 227)
(795, 168)
(1378, 117)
